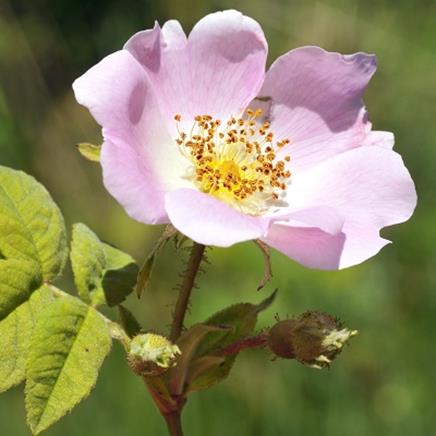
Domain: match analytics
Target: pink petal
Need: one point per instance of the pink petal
(379, 139)
(128, 179)
(368, 186)
(311, 247)
(312, 237)
(316, 102)
(140, 159)
(209, 221)
(115, 91)
(217, 71)
(324, 218)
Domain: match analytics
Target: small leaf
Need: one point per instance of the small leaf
(69, 345)
(188, 344)
(102, 273)
(129, 322)
(210, 376)
(33, 243)
(204, 365)
(119, 283)
(15, 335)
(240, 320)
(90, 151)
(144, 274)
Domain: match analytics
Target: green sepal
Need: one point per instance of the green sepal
(144, 274)
(33, 243)
(69, 344)
(102, 274)
(146, 269)
(89, 151)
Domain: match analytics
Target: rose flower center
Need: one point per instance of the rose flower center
(236, 161)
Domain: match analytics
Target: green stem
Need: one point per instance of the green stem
(186, 289)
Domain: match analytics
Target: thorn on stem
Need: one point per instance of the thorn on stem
(267, 274)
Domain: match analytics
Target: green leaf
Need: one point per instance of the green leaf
(144, 274)
(102, 273)
(32, 239)
(240, 317)
(240, 321)
(15, 335)
(90, 151)
(69, 344)
(130, 324)
(208, 366)
(188, 344)
(209, 376)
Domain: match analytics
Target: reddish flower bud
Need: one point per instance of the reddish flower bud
(313, 338)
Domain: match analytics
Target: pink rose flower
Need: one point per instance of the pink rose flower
(198, 135)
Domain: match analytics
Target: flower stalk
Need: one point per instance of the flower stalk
(169, 406)
(258, 341)
(174, 423)
(182, 303)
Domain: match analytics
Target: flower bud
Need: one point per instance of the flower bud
(151, 354)
(313, 338)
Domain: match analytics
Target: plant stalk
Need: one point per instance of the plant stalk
(174, 423)
(258, 341)
(194, 262)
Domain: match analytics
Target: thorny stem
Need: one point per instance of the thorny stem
(172, 414)
(194, 262)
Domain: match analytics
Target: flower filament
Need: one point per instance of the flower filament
(236, 161)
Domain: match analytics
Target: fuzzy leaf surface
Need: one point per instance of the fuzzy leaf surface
(15, 335)
(33, 247)
(69, 344)
(103, 274)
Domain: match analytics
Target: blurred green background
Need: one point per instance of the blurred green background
(384, 383)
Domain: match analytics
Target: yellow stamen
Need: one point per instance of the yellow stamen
(236, 161)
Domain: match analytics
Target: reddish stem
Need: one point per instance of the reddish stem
(252, 342)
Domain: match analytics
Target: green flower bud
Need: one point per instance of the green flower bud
(313, 338)
(151, 354)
